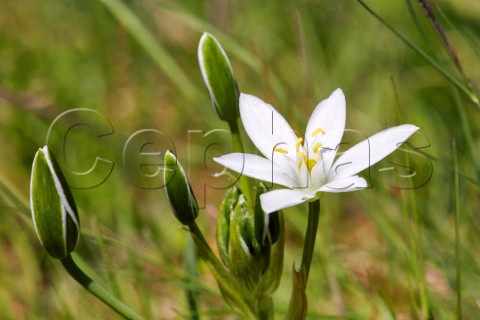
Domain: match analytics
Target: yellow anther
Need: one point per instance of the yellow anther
(299, 142)
(310, 163)
(317, 131)
(317, 146)
(281, 150)
(302, 155)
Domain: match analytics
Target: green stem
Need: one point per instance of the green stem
(310, 235)
(298, 305)
(243, 182)
(236, 139)
(194, 229)
(191, 269)
(265, 308)
(101, 293)
(225, 281)
(458, 257)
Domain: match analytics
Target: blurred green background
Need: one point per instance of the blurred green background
(383, 253)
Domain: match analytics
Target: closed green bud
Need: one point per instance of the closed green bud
(54, 212)
(244, 251)
(218, 76)
(250, 242)
(179, 192)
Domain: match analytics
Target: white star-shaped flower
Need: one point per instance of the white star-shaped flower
(307, 165)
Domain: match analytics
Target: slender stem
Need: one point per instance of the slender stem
(265, 308)
(243, 182)
(310, 235)
(236, 140)
(227, 283)
(469, 93)
(194, 229)
(101, 293)
(191, 269)
(458, 256)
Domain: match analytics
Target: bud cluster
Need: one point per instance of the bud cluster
(250, 243)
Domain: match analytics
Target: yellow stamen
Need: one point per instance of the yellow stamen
(302, 155)
(310, 163)
(281, 150)
(299, 142)
(317, 131)
(317, 146)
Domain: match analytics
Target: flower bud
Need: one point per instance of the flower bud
(219, 79)
(54, 212)
(179, 192)
(223, 223)
(243, 247)
(245, 238)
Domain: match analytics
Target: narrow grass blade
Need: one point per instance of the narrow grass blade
(191, 270)
(159, 55)
(468, 93)
(458, 252)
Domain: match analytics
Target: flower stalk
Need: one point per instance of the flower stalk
(299, 302)
(56, 222)
(310, 235)
(97, 290)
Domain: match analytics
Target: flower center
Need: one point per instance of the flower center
(314, 154)
(304, 157)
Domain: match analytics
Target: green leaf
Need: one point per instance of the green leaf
(179, 192)
(159, 55)
(219, 79)
(468, 92)
(54, 212)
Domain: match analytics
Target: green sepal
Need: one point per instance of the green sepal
(223, 223)
(179, 192)
(53, 208)
(218, 77)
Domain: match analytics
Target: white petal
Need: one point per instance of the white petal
(345, 184)
(370, 151)
(266, 127)
(260, 168)
(329, 116)
(282, 198)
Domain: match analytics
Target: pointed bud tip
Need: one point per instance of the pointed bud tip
(179, 192)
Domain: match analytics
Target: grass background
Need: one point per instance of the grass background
(382, 253)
